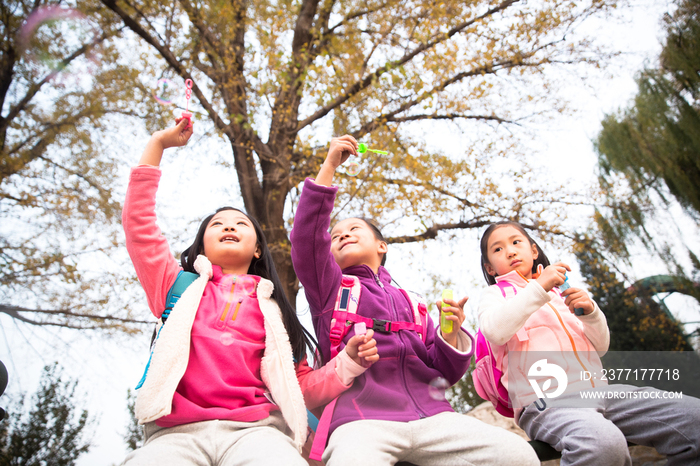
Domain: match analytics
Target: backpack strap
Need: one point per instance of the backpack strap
(508, 289)
(345, 314)
(420, 312)
(182, 281)
(344, 311)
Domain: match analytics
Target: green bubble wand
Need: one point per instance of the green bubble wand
(362, 148)
(353, 168)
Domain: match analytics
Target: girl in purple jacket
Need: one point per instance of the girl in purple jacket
(388, 415)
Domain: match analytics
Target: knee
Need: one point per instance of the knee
(601, 447)
(519, 452)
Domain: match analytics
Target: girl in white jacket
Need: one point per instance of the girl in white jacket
(227, 382)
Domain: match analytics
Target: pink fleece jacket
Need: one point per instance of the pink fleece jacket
(222, 380)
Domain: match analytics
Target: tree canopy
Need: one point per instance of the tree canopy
(58, 83)
(275, 80)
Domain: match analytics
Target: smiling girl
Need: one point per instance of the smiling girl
(390, 414)
(228, 381)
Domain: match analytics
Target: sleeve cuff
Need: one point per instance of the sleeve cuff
(464, 342)
(346, 369)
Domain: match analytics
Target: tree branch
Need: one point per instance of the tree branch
(369, 79)
(15, 313)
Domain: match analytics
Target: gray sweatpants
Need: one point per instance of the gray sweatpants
(598, 434)
(218, 443)
(442, 440)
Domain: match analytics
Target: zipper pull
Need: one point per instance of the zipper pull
(235, 312)
(376, 279)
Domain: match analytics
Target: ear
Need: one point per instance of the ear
(535, 252)
(490, 270)
(382, 248)
(258, 251)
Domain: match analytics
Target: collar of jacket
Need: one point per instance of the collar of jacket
(171, 355)
(364, 271)
(514, 277)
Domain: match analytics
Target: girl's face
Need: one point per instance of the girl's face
(508, 249)
(230, 241)
(353, 243)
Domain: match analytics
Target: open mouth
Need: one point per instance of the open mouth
(228, 239)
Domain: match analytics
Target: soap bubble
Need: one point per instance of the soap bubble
(164, 92)
(226, 339)
(437, 388)
(352, 168)
(52, 33)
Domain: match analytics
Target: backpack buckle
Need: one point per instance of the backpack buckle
(379, 325)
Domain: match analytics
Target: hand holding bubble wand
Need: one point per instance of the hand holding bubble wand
(353, 168)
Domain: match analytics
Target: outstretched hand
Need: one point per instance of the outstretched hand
(340, 149)
(178, 135)
(363, 349)
(456, 308)
(175, 136)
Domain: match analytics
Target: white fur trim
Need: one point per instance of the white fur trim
(172, 351)
(277, 367)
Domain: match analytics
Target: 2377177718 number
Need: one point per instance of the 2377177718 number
(632, 374)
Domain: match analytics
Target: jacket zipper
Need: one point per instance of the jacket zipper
(573, 345)
(571, 339)
(402, 353)
(229, 301)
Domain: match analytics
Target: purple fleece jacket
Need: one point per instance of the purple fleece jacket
(396, 388)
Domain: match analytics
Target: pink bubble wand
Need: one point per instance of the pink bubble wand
(188, 93)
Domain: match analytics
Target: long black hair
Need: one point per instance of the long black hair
(541, 257)
(264, 267)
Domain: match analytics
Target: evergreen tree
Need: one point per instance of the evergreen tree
(655, 144)
(134, 432)
(635, 320)
(52, 433)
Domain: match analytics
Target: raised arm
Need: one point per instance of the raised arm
(155, 265)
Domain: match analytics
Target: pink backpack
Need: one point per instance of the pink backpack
(486, 375)
(344, 316)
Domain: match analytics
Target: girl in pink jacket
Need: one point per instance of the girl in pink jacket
(227, 382)
(546, 350)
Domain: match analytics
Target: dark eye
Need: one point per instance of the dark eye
(497, 249)
(517, 241)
